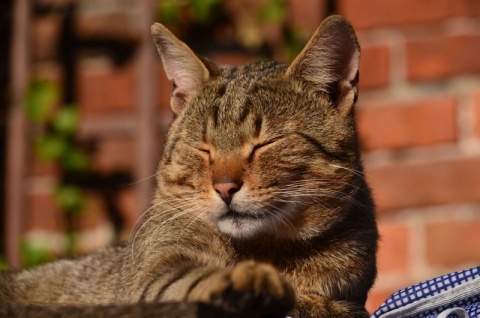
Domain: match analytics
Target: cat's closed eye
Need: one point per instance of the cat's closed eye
(262, 146)
(204, 150)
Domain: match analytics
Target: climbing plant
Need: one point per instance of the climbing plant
(253, 22)
(55, 143)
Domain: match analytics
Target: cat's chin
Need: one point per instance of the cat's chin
(243, 225)
(240, 225)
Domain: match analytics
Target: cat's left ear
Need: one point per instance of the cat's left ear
(330, 61)
(182, 66)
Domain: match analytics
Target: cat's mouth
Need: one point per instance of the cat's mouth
(240, 224)
(236, 215)
(248, 224)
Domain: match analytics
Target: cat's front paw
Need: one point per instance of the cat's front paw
(253, 288)
(317, 306)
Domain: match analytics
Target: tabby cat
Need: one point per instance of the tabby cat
(261, 202)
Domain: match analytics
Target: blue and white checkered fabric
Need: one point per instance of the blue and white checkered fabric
(455, 295)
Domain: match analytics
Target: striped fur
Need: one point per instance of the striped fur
(261, 199)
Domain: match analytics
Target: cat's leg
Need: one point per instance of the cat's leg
(7, 292)
(316, 306)
(248, 287)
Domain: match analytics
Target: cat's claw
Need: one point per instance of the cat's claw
(253, 288)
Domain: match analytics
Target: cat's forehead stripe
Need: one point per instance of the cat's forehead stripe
(232, 72)
(221, 90)
(235, 103)
(253, 71)
(258, 123)
(245, 111)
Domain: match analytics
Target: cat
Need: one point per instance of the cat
(261, 203)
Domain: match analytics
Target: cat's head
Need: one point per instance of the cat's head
(264, 148)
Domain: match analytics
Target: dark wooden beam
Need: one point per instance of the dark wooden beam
(16, 132)
(162, 310)
(147, 143)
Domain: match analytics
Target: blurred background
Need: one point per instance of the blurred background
(84, 110)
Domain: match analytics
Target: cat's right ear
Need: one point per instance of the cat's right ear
(182, 66)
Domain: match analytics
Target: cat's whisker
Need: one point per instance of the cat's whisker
(157, 215)
(156, 204)
(169, 220)
(196, 218)
(298, 191)
(177, 215)
(163, 202)
(357, 172)
(316, 194)
(344, 197)
(280, 216)
(142, 215)
(308, 184)
(141, 180)
(144, 224)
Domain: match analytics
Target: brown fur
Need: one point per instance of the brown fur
(261, 198)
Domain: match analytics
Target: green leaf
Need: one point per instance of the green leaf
(72, 239)
(204, 10)
(293, 43)
(70, 198)
(273, 11)
(169, 11)
(75, 160)
(3, 264)
(50, 147)
(34, 254)
(40, 99)
(66, 120)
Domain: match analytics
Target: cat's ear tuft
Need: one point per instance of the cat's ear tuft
(181, 65)
(330, 61)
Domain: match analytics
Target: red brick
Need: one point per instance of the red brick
(464, 8)
(442, 57)
(306, 15)
(231, 58)
(365, 14)
(129, 208)
(93, 215)
(374, 67)
(164, 88)
(376, 298)
(45, 37)
(115, 89)
(115, 24)
(107, 90)
(427, 121)
(43, 213)
(414, 185)
(114, 154)
(393, 252)
(454, 242)
(476, 99)
(41, 168)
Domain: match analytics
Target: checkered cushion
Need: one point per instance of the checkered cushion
(455, 295)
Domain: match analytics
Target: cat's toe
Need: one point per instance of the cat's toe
(257, 289)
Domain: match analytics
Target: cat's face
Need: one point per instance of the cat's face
(258, 149)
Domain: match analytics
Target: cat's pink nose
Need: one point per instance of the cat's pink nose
(226, 190)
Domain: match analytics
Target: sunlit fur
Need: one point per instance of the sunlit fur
(301, 220)
(283, 181)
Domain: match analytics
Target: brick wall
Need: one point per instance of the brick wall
(418, 115)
